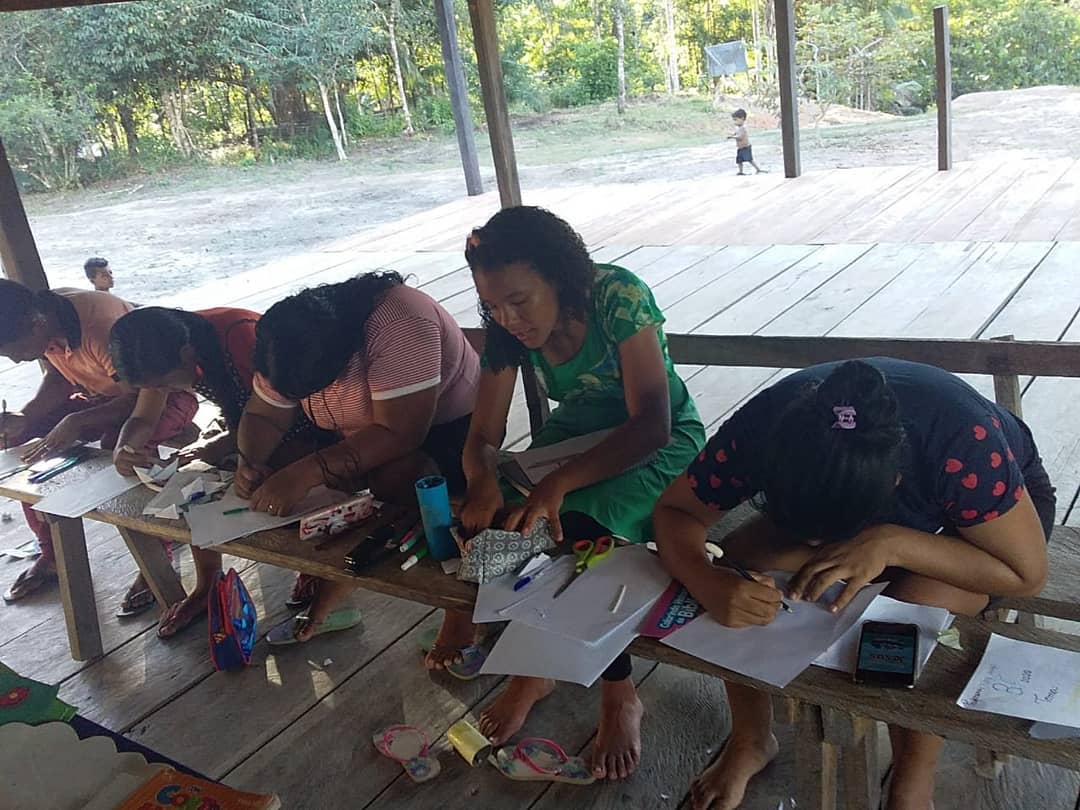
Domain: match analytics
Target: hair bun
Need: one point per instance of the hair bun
(862, 386)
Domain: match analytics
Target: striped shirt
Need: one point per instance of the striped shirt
(411, 344)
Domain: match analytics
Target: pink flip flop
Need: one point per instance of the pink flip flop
(408, 746)
(536, 759)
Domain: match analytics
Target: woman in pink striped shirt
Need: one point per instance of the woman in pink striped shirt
(385, 368)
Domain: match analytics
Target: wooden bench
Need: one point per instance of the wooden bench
(834, 719)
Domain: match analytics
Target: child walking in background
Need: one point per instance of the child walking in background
(744, 152)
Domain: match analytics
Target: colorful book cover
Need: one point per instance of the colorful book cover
(23, 700)
(176, 791)
(672, 610)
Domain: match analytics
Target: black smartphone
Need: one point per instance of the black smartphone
(888, 654)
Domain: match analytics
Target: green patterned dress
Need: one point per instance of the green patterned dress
(589, 390)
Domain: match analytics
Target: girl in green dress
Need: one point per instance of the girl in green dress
(594, 336)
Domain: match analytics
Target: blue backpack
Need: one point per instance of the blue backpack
(231, 615)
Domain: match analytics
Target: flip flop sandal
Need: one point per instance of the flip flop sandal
(177, 626)
(408, 746)
(340, 619)
(26, 584)
(536, 759)
(304, 589)
(136, 603)
(472, 657)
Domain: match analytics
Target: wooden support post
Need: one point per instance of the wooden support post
(789, 97)
(1007, 388)
(459, 95)
(856, 737)
(989, 764)
(76, 587)
(18, 252)
(785, 710)
(943, 70)
(1008, 395)
(155, 567)
(485, 38)
(816, 762)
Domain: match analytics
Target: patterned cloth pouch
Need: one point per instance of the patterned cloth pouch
(495, 552)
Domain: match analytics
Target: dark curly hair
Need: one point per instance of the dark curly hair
(526, 233)
(145, 345)
(305, 341)
(821, 482)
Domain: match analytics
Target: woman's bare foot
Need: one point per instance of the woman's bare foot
(617, 749)
(722, 785)
(181, 614)
(457, 632)
(504, 718)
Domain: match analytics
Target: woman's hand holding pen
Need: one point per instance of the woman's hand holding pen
(736, 602)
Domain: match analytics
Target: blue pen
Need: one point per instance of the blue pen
(535, 575)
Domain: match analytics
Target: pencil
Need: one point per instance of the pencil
(3, 420)
(742, 572)
(235, 511)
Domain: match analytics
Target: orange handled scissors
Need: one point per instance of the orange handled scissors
(588, 553)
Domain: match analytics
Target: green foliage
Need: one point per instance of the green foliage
(43, 134)
(1021, 44)
(100, 91)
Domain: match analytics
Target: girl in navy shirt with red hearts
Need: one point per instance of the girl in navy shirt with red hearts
(876, 468)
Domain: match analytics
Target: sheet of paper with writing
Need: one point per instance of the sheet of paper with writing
(1022, 679)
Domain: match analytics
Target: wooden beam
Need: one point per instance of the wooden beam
(1036, 358)
(459, 95)
(789, 96)
(488, 63)
(943, 71)
(18, 252)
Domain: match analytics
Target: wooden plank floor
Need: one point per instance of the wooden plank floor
(300, 720)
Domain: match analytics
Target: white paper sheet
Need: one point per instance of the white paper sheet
(492, 597)
(583, 611)
(524, 650)
(1021, 679)
(1051, 731)
(11, 459)
(77, 499)
(211, 527)
(538, 463)
(844, 652)
(778, 652)
(172, 494)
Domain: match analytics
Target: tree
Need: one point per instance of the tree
(316, 42)
(390, 19)
(672, 48)
(620, 38)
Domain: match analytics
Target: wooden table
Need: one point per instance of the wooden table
(832, 715)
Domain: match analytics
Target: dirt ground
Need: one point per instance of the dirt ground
(173, 231)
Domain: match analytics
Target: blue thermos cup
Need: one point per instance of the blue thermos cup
(434, 503)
